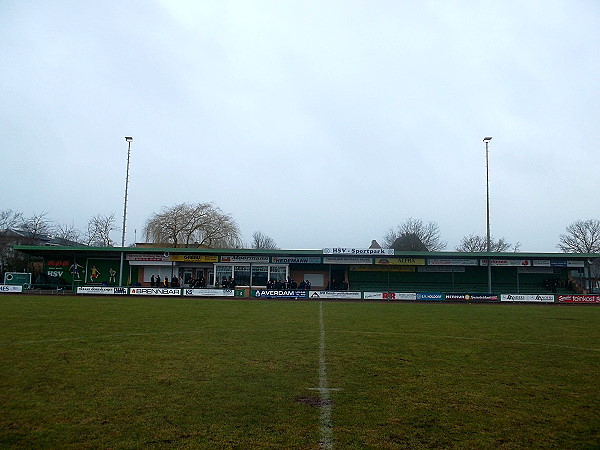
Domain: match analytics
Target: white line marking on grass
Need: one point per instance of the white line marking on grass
(464, 338)
(326, 425)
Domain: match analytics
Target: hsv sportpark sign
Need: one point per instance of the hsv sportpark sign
(358, 251)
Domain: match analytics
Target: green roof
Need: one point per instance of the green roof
(54, 250)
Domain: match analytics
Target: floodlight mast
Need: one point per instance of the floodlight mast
(487, 140)
(128, 139)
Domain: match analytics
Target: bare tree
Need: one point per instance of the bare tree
(582, 236)
(201, 224)
(414, 235)
(37, 226)
(475, 243)
(262, 241)
(99, 229)
(10, 219)
(67, 234)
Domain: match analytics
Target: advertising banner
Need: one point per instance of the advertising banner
(578, 298)
(100, 271)
(430, 296)
(155, 291)
(143, 257)
(61, 268)
(245, 259)
(295, 260)
(194, 258)
(335, 295)
(358, 251)
(546, 298)
(285, 293)
(347, 260)
(389, 296)
(471, 297)
(541, 263)
(101, 290)
(557, 263)
(506, 262)
(209, 292)
(10, 288)
(401, 261)
(373, 295)
(452, 262)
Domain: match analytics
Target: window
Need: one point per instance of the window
(278, 273)
(241, 275)
(223, 272)
(260, 275)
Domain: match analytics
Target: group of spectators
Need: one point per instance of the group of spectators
(226, 283)
(229, 283)
(335, 285)
(158, 282)
(553, 283)
(288, 284)
(197, 283)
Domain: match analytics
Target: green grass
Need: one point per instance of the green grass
(81, 372)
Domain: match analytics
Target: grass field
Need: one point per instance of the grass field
(89, 372)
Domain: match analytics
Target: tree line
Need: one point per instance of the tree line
(205, 225)
(581, 236)
(32, 228)
(182, 225)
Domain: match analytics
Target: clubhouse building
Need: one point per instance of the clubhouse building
(337, 272)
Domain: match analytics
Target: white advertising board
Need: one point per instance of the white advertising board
(101, 290)
(335, 294)
(155, 291)
(507, 262)
(346, 260)
(10, 288)
(452, 262)
(546, 298)
(209, 292)
(358, 251)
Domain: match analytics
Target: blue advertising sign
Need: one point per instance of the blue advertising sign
(283, 293)
(558, 263)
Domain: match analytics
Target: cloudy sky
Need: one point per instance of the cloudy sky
(319, 123)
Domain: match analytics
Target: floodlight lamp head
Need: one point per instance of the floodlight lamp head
(129, 138)
(487, 139)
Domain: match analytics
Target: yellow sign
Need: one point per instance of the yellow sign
(401, 261)
(194, 258)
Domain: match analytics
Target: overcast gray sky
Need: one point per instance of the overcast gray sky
(319, 123)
